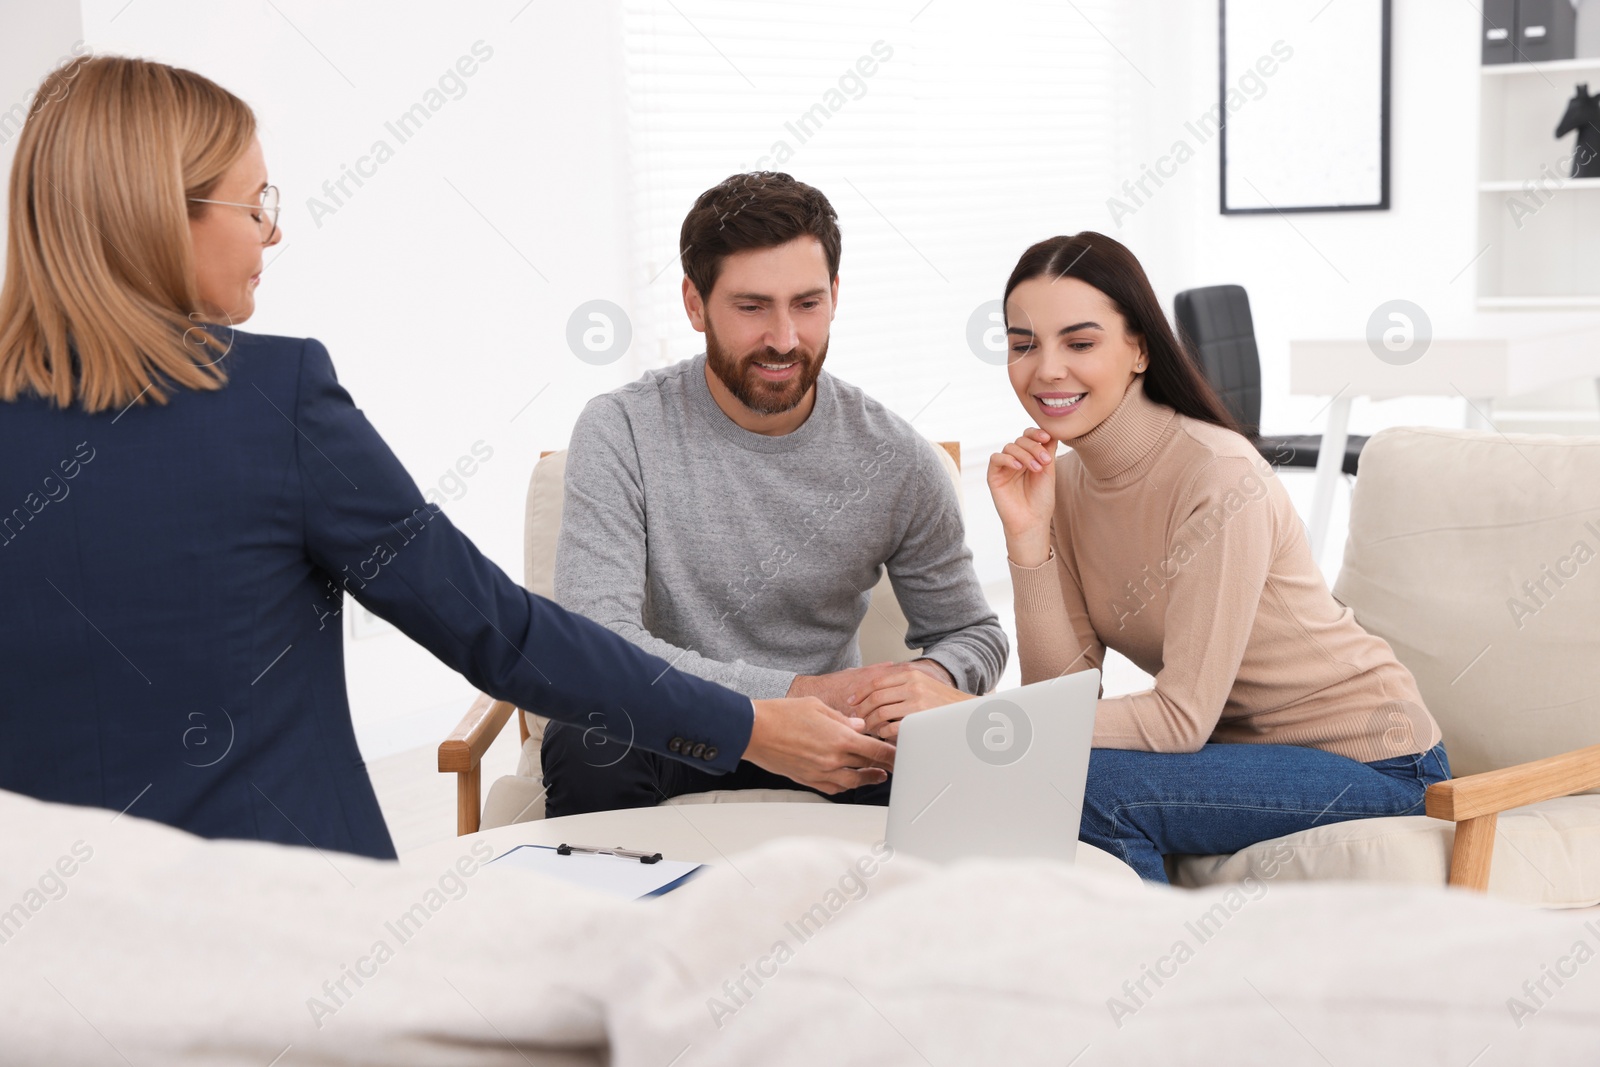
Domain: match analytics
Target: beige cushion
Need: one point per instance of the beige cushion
(1445, 527)
(881, 637)
(513, 798)
(517, 798)
(1546, 855)
(749, 796)
(542, 523)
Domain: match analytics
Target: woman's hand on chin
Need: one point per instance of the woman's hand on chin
(899, 693)
(1022, 481)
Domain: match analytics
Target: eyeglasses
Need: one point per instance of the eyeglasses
(268, 208)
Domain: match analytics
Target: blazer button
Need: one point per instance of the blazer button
(675, 745)
(698, 750)
(711, 753)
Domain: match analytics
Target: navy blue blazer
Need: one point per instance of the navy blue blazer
(170, 578)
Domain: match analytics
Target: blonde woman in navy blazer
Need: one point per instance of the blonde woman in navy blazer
(184, 506)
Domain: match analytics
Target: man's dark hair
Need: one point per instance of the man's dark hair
(761, 209)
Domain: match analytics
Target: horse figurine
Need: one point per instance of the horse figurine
(1583, 115)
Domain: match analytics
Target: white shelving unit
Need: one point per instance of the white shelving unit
(1541, 226)
(1554, 67)
(1516, 186)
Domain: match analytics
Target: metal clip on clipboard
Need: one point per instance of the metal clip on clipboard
(642, 857)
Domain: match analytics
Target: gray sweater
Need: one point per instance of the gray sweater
(747, 559)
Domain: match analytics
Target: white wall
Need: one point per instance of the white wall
(34, 38)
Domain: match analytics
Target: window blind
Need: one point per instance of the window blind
(980, 129)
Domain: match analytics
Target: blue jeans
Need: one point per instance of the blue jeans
(1141, 806)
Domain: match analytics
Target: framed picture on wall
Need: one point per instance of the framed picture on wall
(1304, 105)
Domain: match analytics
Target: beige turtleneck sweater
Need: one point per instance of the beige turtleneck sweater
(1176, 545)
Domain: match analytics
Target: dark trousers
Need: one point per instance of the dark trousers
(584, 774)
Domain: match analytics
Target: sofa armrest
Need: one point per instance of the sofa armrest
(462, 754)
(1511, 787)
(1474, 803)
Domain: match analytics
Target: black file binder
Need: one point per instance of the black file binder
(1546, 30)
(1499, 31)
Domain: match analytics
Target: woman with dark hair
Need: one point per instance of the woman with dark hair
(1165, 536)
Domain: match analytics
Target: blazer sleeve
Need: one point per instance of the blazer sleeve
(367, 526)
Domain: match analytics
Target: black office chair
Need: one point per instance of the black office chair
(1215, 323)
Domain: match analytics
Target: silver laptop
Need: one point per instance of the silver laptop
(1000, 775)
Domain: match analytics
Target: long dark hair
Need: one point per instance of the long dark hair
(1173, 377)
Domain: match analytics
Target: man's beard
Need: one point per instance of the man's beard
(755, 392)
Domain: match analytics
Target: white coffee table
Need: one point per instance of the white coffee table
(704, 833)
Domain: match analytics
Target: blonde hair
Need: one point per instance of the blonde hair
(99, 303)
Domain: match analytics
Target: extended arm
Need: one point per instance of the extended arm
(368, 526)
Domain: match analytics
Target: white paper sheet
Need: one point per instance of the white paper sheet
(616, 875)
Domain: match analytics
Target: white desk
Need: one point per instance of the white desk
(1495, 358)
(705, 833)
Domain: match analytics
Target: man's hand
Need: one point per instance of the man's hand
(895, 694)
(834, 689)
(808, 741)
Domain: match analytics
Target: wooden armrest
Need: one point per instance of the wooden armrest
(462, 754)
(1474, 804)
(473, 735)
(1492, 792)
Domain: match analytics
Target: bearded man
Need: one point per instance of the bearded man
(731, 513)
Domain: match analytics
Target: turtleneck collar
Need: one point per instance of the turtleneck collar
(1120, 449)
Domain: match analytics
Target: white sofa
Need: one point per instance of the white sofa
(160, 948)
